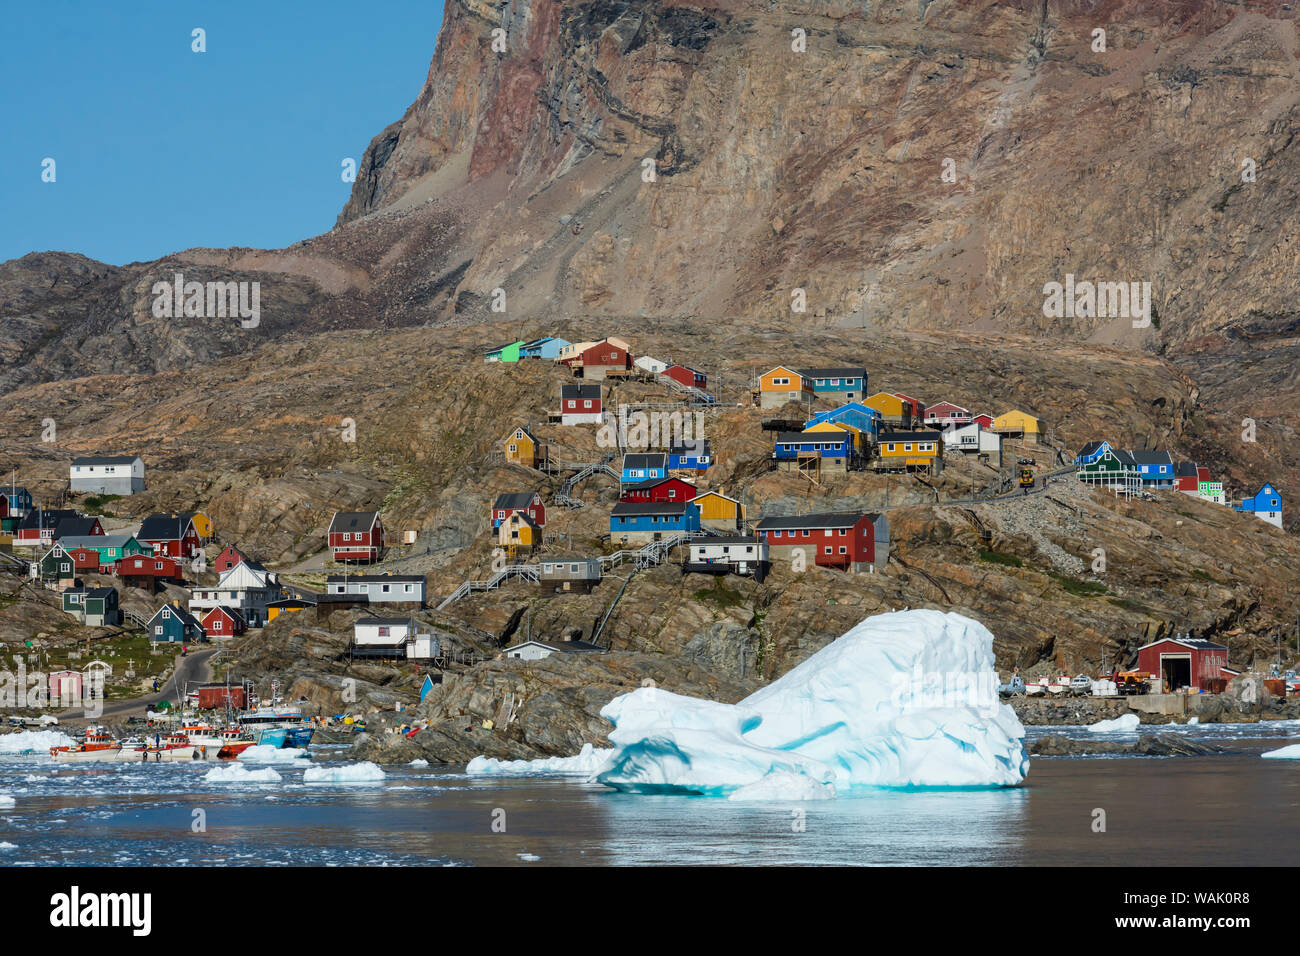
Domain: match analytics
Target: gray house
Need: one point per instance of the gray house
(569, 574)
(107, 475)
(379, 588)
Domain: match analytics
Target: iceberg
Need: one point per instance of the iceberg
(418, 763)
(265, 753)
(1291, 752)
(238, 773)
(366, 772)
(904, 700)
(1123, 724)
(34, 742)
(586, 762)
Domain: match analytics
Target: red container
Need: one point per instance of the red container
(213, 698)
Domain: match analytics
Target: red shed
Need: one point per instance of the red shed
(223, 622)
(659, 490)
(212, 698)
(1183, 662)
(685, 375)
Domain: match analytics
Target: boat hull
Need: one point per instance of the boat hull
(102, 755)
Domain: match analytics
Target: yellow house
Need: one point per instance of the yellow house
(910, 449)
(522, 448)
(781, 385)
(202, 525)
(719, 511)
(1018, 424)
(859, 440)
(893, 410)
(519, 533)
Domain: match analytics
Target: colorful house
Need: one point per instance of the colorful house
(228, 558)
(861, 443)
(1183, 662)
(983, 420)
(915, 407)
(728, 554)
(946, 413)
(19, 500)
(170, 535)
(693, 455)
(1212, 491)
(780, 385)
(1092, 452)
(685, 375)
(94, 607)
(845, 382)
(523, 449)
(37, 528)
(547, 347)
(580, 405)
(1112, 468)
(846, 541)
(1187, 478)
(174, 625)
(643, 466)
(640, 522)
(1266, 505)
(202, 524)
(526, 501)
(80, 526)
(223, 622)
(505, 353)
(600, 359)
(719, 511)
(862, 417)
(148, 571)
(892, 410)
(908, 450)
(248, 587)
(356, 536)
(519, 532)
(829, 451)
(569, 572)
(971, 439)
(1156, 468)
(56, 567)
(1018, 424)
(108, 547)
(659, 489)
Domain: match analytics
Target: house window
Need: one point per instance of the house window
(586, 403)
(843, 550)
(158, 630)
(383, 632)
(780, 381)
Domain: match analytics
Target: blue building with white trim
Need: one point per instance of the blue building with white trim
(1266, 505)
(640, 522)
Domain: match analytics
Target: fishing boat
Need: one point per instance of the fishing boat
(234, 743)
(277, 724)
(95, 747)
(174, 746)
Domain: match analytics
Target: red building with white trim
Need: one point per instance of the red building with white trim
(356, 536)
(848, 541)
(685, 375)
(660, 489)
(1183, 662)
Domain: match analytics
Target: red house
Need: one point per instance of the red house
(915, 404)
(660, 489)
(38, 526)
(85, 559)
(984, 421)
(170, 535)
(1186, 477)
(148, 571)
(580, 405)
(228, 558)
(598, 359)
(1183, 662)
(529, 502)
(848, 541)
(356, 536)
(684, 375)
(223, 622)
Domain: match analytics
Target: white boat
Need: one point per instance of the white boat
(96, 747)
(170, 748)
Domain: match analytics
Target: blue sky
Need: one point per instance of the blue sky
(158, 148)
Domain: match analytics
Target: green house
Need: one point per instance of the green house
(1112, 468)
(57, 564)
(506, 353)
(110, 546)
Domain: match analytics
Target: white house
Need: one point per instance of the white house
(110, 475)
(651, 365)
(729, 554)
(379, 588)
(540, 650)
(382, 631)
(972, 439)
(248, 587)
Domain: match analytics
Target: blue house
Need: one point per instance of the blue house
(1155, 468)
(845, 382)
(642, 466)
(1266, 505)
(20, 501)
(543, 348)
(693, 455)
(862, 417)
(174, 625)
(1091, 453)
(640, 522)
(831, 450)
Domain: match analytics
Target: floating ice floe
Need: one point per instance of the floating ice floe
(1123, 724)
(6, 801)
(34, 742)
(366, 772)
(1291, 752)
(238, 773)
(907, 699)
(265, 753)
(528, 857)
(418, 763)
(8, 846)
(586, 762)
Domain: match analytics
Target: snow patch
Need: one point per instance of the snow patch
(589, 760)
(238, 773)
(366, 772)
(1124, 724)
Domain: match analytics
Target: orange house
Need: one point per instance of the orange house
(781, 385)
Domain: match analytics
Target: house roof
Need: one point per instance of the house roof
(1124, 458)
(839, 371)
(1185, 469)
(45, 518)
(1196, 643)
(1091, 448)
(230, 612)
(632, 508)
(77, 527)
(105, 460)
(725, 539)
(697, 446)
(353, 521)
(805, 438)
(840, 519)
(566, 647)
(94, 593)
(387, 621)
(1150, 456)
(937, 406)
(521, 428)
(184, 616)
(654, 459)
(163, 527)
(96, 540)
(654, 483)
(579, 391)
(514, 500)
(524, 517)
(884, 437)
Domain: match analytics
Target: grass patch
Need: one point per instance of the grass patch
(1130, 605)
(997, 557)
(95, 505)
(1078, 587)
(720, 594)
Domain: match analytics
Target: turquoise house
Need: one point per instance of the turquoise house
(842, 382)
(544, 348)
